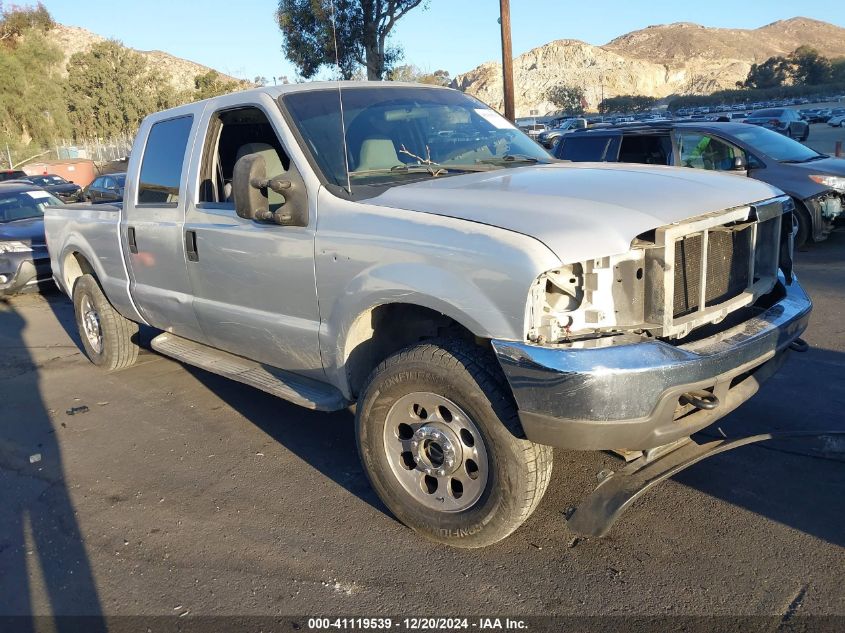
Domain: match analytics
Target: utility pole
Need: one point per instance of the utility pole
(507, 57)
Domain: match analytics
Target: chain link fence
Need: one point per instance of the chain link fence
(100, 151)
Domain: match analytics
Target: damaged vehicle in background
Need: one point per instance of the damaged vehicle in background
(64, 190)
(24, 260)
(814, 181)
(480, 301)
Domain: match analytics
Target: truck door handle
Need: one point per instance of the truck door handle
(191, 246)
(133, 245)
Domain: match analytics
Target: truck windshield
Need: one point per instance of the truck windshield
(22, 205)
(394, 134)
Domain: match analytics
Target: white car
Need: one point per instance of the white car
(837, 120)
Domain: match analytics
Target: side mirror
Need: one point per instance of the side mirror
(250, 186)
(740, 164)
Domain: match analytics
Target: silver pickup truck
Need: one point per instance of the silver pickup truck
(407, 249)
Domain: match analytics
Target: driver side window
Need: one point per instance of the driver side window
(233, 134)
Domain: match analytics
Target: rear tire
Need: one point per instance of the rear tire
(441, 444)
(108, 338)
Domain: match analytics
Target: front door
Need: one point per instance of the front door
(253, 282)
(152, 230)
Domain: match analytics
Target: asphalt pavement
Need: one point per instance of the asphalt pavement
(162, 490)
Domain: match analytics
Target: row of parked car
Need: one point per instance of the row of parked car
(766, 152)
(24, 260)
(104, 188)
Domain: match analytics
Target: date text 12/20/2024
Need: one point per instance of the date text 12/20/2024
(417, 624)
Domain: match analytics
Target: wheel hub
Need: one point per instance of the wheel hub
(91, 325)
(436, 452)
(436, 449)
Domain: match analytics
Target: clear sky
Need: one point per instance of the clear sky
(240, 37)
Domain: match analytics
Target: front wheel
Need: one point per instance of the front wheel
(441, 443)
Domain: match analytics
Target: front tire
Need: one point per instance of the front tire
(108, 338)
(805, 226)
(441, 444)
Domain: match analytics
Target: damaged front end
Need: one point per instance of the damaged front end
(673, 280)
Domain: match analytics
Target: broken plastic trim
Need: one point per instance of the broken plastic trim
(597, 513)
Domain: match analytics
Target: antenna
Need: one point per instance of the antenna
(340, 99)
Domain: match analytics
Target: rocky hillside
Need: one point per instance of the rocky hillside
(181, 72)
(658, 61)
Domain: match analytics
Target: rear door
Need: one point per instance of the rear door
(152, 227)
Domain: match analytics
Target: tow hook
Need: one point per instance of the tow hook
(700, 400)
(799, 345)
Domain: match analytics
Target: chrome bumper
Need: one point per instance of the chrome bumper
(623, 392)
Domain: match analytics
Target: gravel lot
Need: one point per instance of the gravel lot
(179, 492)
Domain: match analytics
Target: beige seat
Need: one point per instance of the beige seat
(377, 153)
(274, 168)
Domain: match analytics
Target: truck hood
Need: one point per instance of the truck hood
(579, 210)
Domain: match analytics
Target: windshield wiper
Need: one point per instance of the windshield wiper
(509, 159)
(435, 169)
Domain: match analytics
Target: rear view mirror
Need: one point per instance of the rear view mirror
(740, 164)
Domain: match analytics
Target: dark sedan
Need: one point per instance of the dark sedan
(816, 182)
(11, 174)
(106, 188)
(63, 189)
(782, 120)
(24, 260)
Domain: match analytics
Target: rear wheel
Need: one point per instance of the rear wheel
(441, 444)
(108, 338)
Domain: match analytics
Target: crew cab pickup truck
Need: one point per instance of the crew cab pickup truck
(407, 249)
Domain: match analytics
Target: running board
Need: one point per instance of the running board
(305, 392)
(597, 513)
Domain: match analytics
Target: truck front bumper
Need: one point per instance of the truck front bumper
(625, 392)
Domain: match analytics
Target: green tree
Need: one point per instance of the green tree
(360, 28)
(570, 99)
(213, 84)
(111, 88)
(772, 73)
(627, 103)
(837, 70)
(32, 104)
(409, 72)
(808, 68)
(17, 20)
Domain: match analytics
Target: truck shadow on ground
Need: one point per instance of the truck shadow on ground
(39, 535)
(325, 441)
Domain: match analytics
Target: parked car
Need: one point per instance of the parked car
(837, 118)
(64, 190)
(105, 188)
(550, 138)
(11, 174)
(782, 120)
(480, 301)
(816, 182)
(24, 260)
(533, 130)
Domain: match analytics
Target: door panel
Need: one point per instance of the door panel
(158, 274)
(254, 289)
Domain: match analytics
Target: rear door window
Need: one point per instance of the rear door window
(161, 168)
(584, 148)
(650, 149)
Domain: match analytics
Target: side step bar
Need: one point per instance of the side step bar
(597, 513)
(291, 387)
